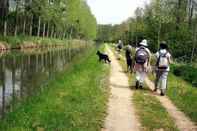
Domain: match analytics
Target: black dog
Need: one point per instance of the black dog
(103, 57)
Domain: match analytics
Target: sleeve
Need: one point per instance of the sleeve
(169, 57)
(157, 55)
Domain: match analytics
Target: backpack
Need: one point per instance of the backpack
(141, 56)
(120, 46)
(162, 62)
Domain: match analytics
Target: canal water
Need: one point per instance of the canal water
(24, 73)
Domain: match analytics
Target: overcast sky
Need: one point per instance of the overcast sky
(114, 11)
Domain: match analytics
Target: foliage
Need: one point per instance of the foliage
(171, 20)
(48, 18)
(187, 72)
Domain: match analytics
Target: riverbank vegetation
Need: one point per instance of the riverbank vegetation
(183, 95)
(186, 72)
(68, 102)
(53, 18)
(21, 42)
(174, 21)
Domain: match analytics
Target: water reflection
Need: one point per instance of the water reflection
(22, 74)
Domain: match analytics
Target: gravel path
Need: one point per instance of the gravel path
(121, 114)
(182, 122)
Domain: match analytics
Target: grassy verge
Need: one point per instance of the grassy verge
(182, 92)
(74, 101)
(16, 42)
(183, 95)
(152, 115)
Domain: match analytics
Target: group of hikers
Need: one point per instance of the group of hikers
(140, 63)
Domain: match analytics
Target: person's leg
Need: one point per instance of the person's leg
(127, 64)
(142, 78)
(164, 83)
(157, 80)
(137, 79)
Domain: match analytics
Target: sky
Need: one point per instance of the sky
(114, 11)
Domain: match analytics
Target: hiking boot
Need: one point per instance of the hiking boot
(155, 90)
(137, 84)
(162, 93)
(141, 85)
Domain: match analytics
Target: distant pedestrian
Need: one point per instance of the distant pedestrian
(162, 68)
(142, 63)
(128, 55)
(119, 48)
(119, 45)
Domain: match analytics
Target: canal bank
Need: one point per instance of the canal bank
(69, 100)
(27, 42)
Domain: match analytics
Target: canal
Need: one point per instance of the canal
(25, 73)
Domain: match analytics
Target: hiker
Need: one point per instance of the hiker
(119, 45)
(142, 63)
(128, 55)
(162, 68)
(119, 48)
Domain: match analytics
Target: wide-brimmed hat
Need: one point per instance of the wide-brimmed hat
(144, 43)
(164, 45)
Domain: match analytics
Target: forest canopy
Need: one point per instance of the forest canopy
(47, 18)
(174, 21)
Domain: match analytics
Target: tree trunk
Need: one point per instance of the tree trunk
(16, 22)
(48, 28)
(39, 21)
(44, 30)
(55, 34)
(4, 10)
(194, 45)
(158, 35)
(24, 26)
(191, 10)
(5, 28)
(178, 17)
(16, 30)
(52, 31)
(30, 28)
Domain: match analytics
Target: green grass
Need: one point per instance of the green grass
(74, 101)
(183, 95)
(152, 115)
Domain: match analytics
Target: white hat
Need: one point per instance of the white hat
(144, 43)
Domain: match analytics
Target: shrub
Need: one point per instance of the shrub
(187, 72)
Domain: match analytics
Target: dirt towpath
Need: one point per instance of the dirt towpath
(182, 122)
(121, 115)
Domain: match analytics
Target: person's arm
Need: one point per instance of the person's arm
(149, 60)
(170, 59)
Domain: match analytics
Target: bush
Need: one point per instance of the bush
(187, 72)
